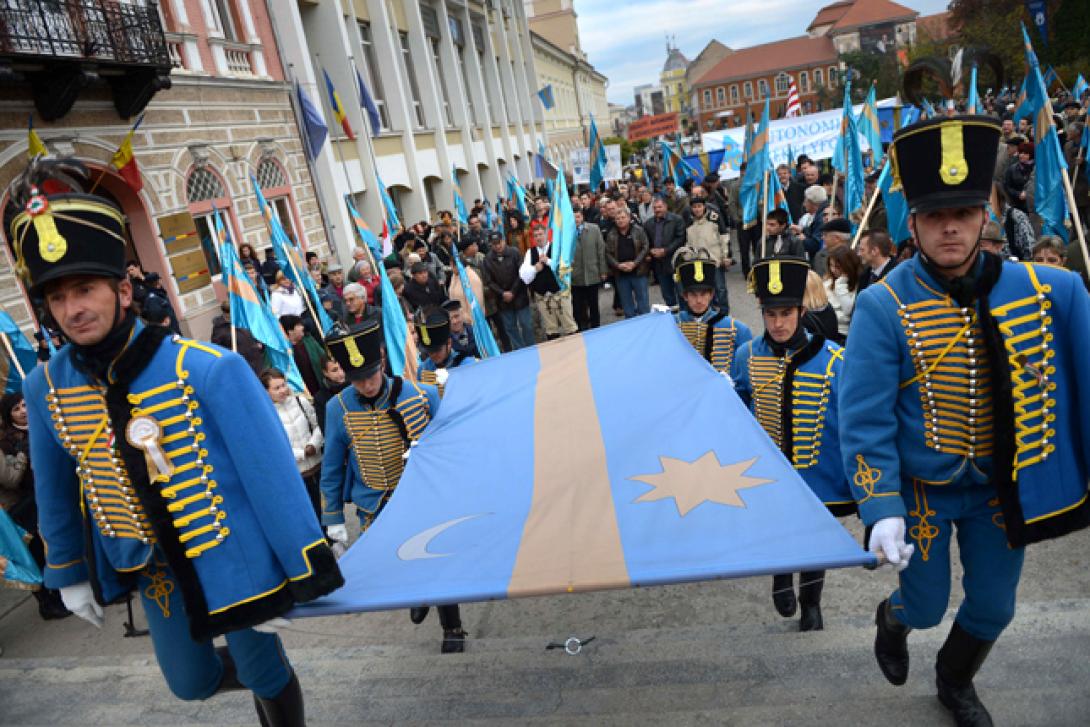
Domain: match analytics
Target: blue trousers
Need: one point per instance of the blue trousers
(721, 299)
(992, 567)
(192, 669)
(519, 325)
(632, 288)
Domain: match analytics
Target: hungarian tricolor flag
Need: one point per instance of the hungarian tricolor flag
(338, 109)
(125, 161)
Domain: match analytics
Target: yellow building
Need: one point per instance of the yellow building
(675, 89)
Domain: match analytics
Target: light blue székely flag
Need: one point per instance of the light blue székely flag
(459, 203)
(251, 313)
(562, 231)
(597, 157)
(758, 165)
(25, 354)
(579, 498)
(1049, 163)
(482, 332)
(296, 269)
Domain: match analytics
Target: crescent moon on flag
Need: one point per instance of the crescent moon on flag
(416, 547)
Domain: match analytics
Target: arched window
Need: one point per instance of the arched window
(734, 94)
(819, 78)
(719, 96)
(707, 98)
(783, 82)
(747, 89)
(804, 82)
(762, 88)
(833, 76)
(273, 181)
(206, 192)
(269, 174)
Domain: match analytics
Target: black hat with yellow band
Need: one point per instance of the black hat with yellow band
(62, 234)
(946, 162)
(779, 282)
(433, 327)
(359, 351)
(695, 274)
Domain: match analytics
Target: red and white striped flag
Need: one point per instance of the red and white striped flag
(794, 108)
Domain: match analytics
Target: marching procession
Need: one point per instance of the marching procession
(915, 364)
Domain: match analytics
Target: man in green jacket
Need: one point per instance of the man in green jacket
(588, 269)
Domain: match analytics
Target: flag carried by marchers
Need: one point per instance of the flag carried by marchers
(1080, 87)
(709, 497)
(25, 354)
(314, 127)
(18, 569)
(705, 162)
(546, 97)
(895, 204)
(290, 259)
(250, 313)
(401, 352)
(562, 232)
(846, 117)
(972, 106)
(124, 161)
(482, 332)
(758, 166)
(1048, 159)
(869, 126)
(543, 167)
(459, 202)
(338, 109)
(854, 178)
(597, 157)
(517, 193)
(387, 202)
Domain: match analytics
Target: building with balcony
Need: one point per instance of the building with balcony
(211, 88)
(745, 77)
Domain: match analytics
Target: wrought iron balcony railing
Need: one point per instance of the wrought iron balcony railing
(73, 41)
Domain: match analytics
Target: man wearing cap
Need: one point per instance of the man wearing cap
(434, 333)
(370, 425)
(714, 334)
(790, 380)
(422, 289)
(834, 233)
(553, 304)
(160, 466)
(779, 241)
(968, 410)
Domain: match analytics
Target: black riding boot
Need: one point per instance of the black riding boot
(783, 594)
(810, 585)
(891, 645)
(454, 638)
(50, 605)
(229, 681)
(417, 614)
(283, 710)
(958, 662)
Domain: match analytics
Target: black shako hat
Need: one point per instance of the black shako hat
(433, 327)
(59, 235)
(947, 162)
(779, 281)
(696, 274)
(359, 351)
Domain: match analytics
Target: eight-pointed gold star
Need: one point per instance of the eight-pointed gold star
(693, 483)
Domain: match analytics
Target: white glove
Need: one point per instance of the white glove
(80, 600)
(888, 535)
(273, 625)
(338, 533)
(441, 376)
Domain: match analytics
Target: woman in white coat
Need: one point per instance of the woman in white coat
(299, 421)
(842, 275)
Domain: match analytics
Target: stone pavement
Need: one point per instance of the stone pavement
(702, 653)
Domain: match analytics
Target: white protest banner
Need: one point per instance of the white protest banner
(613, 162)
(580, 166)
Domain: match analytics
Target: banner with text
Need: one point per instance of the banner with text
(648, 127)
(580, 164)
(814, 135)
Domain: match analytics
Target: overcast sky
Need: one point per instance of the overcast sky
(627, 41)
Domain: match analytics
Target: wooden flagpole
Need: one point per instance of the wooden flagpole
(11, 354)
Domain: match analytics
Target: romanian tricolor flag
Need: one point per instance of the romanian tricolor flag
(124, 160)
(338, 108)
(579, 498)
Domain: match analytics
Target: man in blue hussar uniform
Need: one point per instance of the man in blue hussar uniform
(790, 379)
(370, 426)
(714, 334)
(434, 333)
(964, 408)
(160, 465)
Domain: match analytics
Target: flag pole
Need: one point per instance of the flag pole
(836, 185)
(11, 354)
(866, 218)
(764, 212)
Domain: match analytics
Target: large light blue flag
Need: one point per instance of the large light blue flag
(400, 347)
(854, 179)
(597, 157)
(18, 569)
(869, 126)
(1050, 201)
(579, 498)
(250, 313)
(896, 206)
(459, 203)
(482, 332)
(25, 354)
(290, 259)
(758, 166)
(516, 191)
(846, 117)
(392, 219)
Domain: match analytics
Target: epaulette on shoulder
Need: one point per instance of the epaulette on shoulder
(192, 344)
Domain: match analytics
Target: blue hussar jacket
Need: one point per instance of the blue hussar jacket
(991, 393)
(226, 507)
(715, 336)
(794, 399)
(366, 443)
(427, 368)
